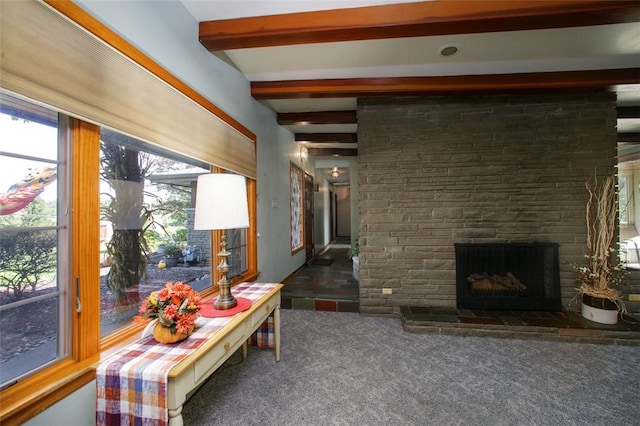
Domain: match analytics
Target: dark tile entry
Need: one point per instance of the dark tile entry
(326, 284)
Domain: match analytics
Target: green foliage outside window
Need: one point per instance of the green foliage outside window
(27, 255)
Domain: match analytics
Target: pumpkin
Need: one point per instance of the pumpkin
(164, 335)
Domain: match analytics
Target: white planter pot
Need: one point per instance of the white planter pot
(356, 268)
(602, 316)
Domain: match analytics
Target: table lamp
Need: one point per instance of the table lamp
(221, 203)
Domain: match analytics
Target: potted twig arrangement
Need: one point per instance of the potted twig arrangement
(603, 275)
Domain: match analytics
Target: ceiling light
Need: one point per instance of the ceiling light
(449, 51)
(335, 172)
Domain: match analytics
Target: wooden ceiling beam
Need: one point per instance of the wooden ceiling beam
(317, 117)
(429, 18)
(327, 137)
(335, 152)
(628, 111)
(629, 137)
(446, 85)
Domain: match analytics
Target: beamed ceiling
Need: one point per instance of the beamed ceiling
(311, 65)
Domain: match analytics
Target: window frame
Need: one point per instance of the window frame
(53, 383)
(34, 394)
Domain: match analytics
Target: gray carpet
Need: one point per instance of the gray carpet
(344, 369)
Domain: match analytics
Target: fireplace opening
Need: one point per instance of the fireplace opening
(508, 276)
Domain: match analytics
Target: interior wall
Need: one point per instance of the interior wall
(322, 219)
(435, 171)
(78, 409)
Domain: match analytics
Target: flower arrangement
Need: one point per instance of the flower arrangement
(176, 307)
(603, 274)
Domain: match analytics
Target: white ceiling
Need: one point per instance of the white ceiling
(213, 10)
(563, 49)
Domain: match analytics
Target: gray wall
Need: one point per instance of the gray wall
(434, 171)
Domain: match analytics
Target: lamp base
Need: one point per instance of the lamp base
(225, 302)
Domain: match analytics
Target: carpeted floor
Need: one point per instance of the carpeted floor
(345, 369)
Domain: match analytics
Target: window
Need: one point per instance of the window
(33, 235)
(627, 208)
(146, 198)
(146, 225)
(185, 124)
(624, 198)
(237, 246)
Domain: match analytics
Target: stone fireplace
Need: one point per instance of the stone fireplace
(435, 171)
(508, 276)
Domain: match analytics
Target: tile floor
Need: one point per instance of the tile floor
(328, 285)
(325, 285)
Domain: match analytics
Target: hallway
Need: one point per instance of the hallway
(325, 285)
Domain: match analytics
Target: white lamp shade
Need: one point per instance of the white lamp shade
(221, 202)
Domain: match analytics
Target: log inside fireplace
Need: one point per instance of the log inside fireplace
(508, 276)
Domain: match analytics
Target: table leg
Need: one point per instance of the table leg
(276, 330)
(175, 417)
(244, 350)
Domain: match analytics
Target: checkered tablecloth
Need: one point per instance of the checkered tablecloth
(131, 385)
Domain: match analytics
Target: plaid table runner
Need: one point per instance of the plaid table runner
(131, 385)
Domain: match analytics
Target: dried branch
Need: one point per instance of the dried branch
(603, 274)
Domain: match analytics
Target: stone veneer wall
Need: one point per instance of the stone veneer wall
(199, 239)
(434, 171)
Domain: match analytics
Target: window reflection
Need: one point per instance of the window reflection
(147, 236)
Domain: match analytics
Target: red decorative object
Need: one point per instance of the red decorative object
(207, 309)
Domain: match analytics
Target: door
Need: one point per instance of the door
(332, 215)
(309, 246)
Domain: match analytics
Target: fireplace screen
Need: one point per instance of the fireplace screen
(508, 276)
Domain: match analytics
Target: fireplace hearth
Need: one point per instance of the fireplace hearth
(508, 276)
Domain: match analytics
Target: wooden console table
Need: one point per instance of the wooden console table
(197, 367)
(187, 374)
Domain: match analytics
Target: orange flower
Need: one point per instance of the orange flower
(175, 306)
